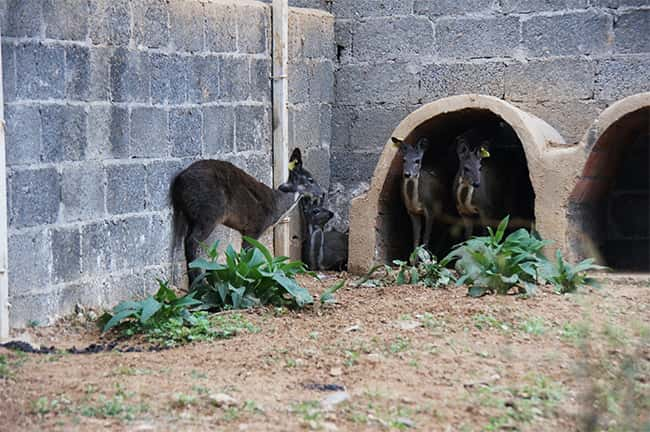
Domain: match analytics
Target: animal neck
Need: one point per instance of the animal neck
(316, 247)
(283, 202)
(464, 197)
(411, 193)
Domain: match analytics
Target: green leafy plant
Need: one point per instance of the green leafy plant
(567, 278)
(153, 311)
(248, 278)
(328, 295)
(496, 264)
(422, 268)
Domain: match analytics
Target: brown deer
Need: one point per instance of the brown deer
(213, 192)
(423, 190)
(485, 188)
(322, 250)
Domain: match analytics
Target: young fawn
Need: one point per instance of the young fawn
(213, 192)
(322, 250)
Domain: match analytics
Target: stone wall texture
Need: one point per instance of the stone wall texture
(105, 100)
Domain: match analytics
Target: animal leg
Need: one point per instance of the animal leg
(416, 223)
(195, 235)
(428, 226)
(469, 227)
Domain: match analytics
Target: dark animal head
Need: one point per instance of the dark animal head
(471, 149)
(318, 216)
(300, 180)
(412, 155)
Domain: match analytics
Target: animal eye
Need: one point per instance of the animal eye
(417, 161)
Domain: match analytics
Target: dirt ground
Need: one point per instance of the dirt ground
(387, 358)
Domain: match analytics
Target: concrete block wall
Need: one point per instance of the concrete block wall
(563, 61)
(104, 101)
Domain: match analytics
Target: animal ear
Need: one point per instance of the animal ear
(397, 142)
(461, 148)
(295, 160)
(423, 143)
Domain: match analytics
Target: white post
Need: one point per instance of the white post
(4, 285)
(281, 240)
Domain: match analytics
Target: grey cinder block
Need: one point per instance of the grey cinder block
(253, 130)
(621, 77)
(261, 86)
(397, 38)
(527, 6)
(34, 197)
(203, 79)
(168, 79)
(159, 177)
(110, 22)
(543, 80)
(234, 79)
(9, 71)
(95, 251)
(477, 37)
(66, 254)
(82, 190)
(149, 132)
(23, 135)
(253, 24)
(108, 132)
(22, 18)
(29, 261)
(77, 72)
(150, 23)
(567, 34)
(185, 132)
(221, 27)
(632, 31)
(41, 71)
(125, 188)
(218, 130)
(129, 74)
(64, 133)
(66, 19)
(186, 20)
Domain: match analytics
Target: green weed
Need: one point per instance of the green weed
(534, 326)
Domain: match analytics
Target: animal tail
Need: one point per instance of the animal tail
(179, 227)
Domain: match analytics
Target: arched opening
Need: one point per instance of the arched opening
(539, 164)
(609, 209)
(506, 150)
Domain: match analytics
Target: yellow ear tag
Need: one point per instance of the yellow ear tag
(292, 165)
(484, 153)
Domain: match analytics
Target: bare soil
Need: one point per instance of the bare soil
(406, 357)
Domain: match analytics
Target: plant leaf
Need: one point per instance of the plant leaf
(300, 294)
(149, 308)
(476, 291)
(118, 318)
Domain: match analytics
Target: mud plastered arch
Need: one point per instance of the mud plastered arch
(622, 128)
(551, 167)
